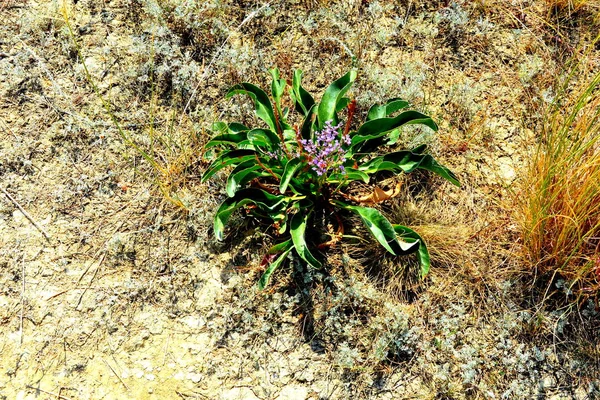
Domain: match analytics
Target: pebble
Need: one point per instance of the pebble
(293, 392)
(194, 377)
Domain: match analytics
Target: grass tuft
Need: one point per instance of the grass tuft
(558, 206)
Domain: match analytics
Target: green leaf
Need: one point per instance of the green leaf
(351, 175)
(232, 134)
(385, 110)
(278, 248)
(227, 158)
(237, 127)
(228, 139)
(377, 128)
(379, 226)
(420, 149)
(303, 100)
(298, 229)
(241, 175)
(264, 138)
(277, 88)
(264, 200)
(286, 247)
(409, 235)
(408, 161)
(307, 126)
(290, 169)
(332, 96)
(343, 103)
(262, 104)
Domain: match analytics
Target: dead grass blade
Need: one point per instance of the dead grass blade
(558, 206)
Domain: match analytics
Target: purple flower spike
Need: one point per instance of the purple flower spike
(326, 151)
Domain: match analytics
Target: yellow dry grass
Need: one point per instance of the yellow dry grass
(558, 206)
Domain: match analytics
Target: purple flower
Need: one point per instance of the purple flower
(325, 150)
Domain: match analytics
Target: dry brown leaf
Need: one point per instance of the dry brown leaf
(379, 195)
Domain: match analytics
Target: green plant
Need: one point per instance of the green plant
(297, 177)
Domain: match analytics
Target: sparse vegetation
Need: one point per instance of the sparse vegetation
(559, 204)
(299, 177)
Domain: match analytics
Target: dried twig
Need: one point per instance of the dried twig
(91, 280)
(22, 300)
(117, 375)
(29, 217)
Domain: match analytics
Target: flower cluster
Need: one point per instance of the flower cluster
(325, 151)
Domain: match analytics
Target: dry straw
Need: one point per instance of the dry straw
(559, 204)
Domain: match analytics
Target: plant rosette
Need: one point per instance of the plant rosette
(296, 176)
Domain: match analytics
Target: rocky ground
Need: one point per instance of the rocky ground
(115, 288)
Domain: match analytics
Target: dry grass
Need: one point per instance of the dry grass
(571, 6)
(558, 206)
(170, 146)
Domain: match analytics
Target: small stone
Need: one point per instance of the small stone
(506, 169)
(194, 377)
(239, 393)
(179, 376)
(548, 382)
(155, 328)
(306, 375)
(293, 392)
(193, 321)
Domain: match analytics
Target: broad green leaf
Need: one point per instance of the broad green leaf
(302, 99)
(264, 138)
(385, 110)
(408, 161)
(379, 226)
(262, 104)
(355, 175)
(420, 149)
(237, 127)
(219, 126)
(332, 96)
(278, 248)
(223, 127)
(227, 158)
(231, 134)
(289, 134)
(393, 137)
(284, 247)
(298, 229)
(377, 128)
(343, 103)
(290, 169)
(409, 235)
(350, 175)
(227, 138)
(262, 199)
(241, 175)
(304, 186)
